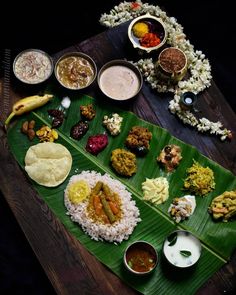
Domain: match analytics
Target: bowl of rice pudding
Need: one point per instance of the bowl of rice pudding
(120, 80)
(32, 66)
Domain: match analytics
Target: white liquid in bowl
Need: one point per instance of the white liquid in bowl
(119, 82)
(187, 242)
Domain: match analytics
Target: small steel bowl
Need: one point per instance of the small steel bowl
(75, 70)
(32, 66)
(120, 80)
(182, 249)
(134, 263)
(154, 24)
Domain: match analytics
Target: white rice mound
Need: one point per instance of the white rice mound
(119, 230)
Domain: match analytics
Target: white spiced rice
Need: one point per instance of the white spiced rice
(119, 230)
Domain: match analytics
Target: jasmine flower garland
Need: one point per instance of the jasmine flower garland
(198, 66)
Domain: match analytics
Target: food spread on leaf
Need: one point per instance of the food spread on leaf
(138, 140)
(87, 112)
(48, 163)
(223, 207)
(113, 123)
(124, 162)
(170, 157)
(108, 212)
(200, 180)
(156, 190)
(45, 133)
(58, 117)
(96, 143)
(181, 208)
(79, 130)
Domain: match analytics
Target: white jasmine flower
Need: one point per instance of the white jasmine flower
(198, 65)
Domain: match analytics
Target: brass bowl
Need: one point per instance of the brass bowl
(154, 25)
(172, 65)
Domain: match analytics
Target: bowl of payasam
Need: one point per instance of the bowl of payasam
(75, 70)
(147, 33)
(140, 258)
(120, 80)
(32, 66)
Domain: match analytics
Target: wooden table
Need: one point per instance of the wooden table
(69, 267)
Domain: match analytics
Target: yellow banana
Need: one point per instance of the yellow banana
(28, 104)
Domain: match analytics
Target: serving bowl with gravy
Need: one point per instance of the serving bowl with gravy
(75, 70)
(140, 258)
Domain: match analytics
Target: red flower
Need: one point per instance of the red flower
(135, 5)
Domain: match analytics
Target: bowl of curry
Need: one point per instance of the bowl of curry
(75, 70)
(140, 258)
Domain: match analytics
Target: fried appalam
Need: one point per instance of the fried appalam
(48, 163)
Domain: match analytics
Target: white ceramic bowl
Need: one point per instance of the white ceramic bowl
(182, 249)
(75, 70)
(140, 258)
(120, 80)
(32, 66)
(154, 25)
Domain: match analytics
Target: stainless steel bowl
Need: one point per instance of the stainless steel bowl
(120, 80)
(140, 265)
(32, 66)
(75, 70)
(182, 249)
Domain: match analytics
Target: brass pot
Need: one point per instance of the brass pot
(171, 65)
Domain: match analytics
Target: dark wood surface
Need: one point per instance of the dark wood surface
(70, 268)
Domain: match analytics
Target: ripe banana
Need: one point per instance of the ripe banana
(28, 104)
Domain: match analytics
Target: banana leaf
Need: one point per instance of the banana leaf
(218, 239)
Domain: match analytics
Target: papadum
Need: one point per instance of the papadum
(48, 163)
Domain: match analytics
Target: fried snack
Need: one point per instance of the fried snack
(200, 180)
(45, 133)
(223, 207)
(48, 163)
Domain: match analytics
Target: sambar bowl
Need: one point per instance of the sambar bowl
(140, 258)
